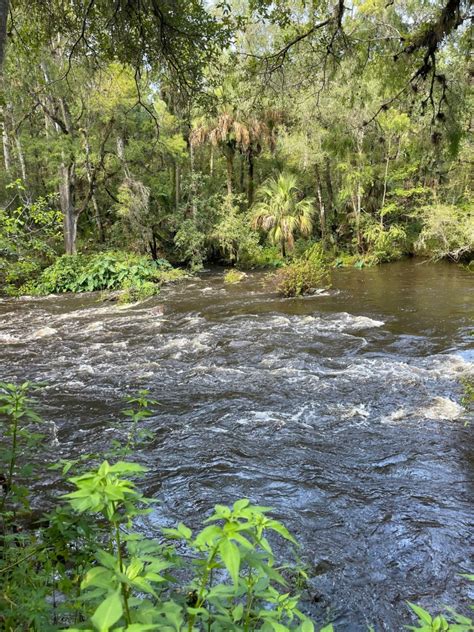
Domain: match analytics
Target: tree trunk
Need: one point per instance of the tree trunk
(283, 248)
(385, 181)
(329, 187)
(121, 156)
(6, 148)
(358, 213)
(193, 184)
(153, 247)
(242, 174)
(66, 199)
(91, 181)
(4, 6)
(250, 178)
(21, 158)
(177, 184)
(322, 210)
(229, 155)
(211, 162)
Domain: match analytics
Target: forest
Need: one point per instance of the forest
(277, 151)
(243, 136)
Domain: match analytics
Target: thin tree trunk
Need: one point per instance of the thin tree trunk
(177, 184)
(385, 180)
(283, 248)
(211, 162)
(193, 185)
(229, 162)
(6, 148)
(358, 213)
(322, 210)
(121, 156)
(66, 198)
(21, 158)
(250, 178)
(90, 179)
(4, 6)
(242, 174)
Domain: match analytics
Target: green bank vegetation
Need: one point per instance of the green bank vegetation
(227, 132)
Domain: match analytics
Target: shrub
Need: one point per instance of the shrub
(385, 243)
(447, 232)
(300, 277)
(234, 276)
(190, 245)
(262, 257)
(102, 271)
(233, 236)
(30, 234)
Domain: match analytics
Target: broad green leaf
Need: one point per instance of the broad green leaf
(422, 614)
(230, 554)
(108, 613)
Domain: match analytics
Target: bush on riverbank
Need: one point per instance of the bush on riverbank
(136, 274)
(447, 232)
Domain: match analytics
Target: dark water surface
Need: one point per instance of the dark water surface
(340, 410)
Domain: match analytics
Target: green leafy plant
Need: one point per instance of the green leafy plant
(139, 408)
(447, 231)
(236, 584)
(385, 243)
(452, 623)
(234, 276)
(281, 213)
(300, 277)
(19, 440)
(138, 275)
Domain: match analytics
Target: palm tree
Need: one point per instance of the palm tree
(229, 131)
(233, 130)
(281, 214)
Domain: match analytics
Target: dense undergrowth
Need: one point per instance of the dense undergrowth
(84, 566)
(279, 233)
(136, 276)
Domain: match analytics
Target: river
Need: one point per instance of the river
(340, 410)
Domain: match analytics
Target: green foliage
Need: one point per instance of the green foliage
(301, 277)
(448, 231)
(190, 244)
(19, 438)
(233, 236)
(104, 271)
(130, 583)
(262, 257)
(139, 409)
(385, 243)
(452, 623)
(30, 232)
(281, 214)
(316, 255)
(234, 276)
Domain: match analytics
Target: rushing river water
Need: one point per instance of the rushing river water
(340, 410)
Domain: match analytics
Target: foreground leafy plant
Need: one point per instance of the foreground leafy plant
(234, 584)
(439, 623)
(16, 408)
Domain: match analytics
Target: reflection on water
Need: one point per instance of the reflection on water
(340, 410)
